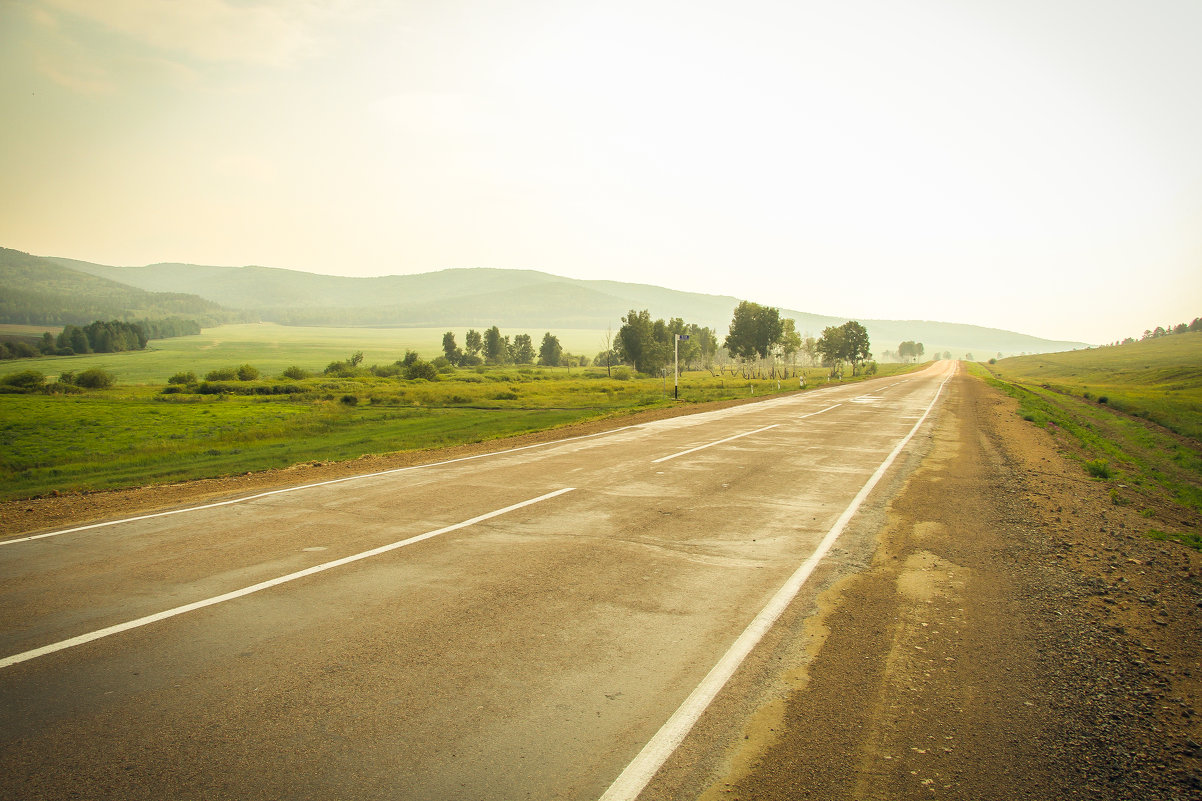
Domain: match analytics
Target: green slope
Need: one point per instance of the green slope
(34, 290)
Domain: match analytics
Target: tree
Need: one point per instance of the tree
(550, 352)
(522, 351)
(496, 347)
(473, 343)
(450, 349)
(608, 353)
(754, 330)
(638, 343)
(847, 342)
(790, 340)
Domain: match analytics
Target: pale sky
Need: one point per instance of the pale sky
(1034, 165)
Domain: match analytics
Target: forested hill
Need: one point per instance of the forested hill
(36, 291)
(526, 299)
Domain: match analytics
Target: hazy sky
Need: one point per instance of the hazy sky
(1026, 164)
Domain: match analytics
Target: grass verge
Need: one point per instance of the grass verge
(133, 436)
(1146, 463)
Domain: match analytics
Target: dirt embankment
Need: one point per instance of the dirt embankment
(1016, 636)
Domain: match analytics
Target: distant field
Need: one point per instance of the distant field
(134, 435)
(1160, 379)
(274, 348)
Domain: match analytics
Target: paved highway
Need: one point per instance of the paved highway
(514, 625)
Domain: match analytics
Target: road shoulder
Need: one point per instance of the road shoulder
(1013, 636)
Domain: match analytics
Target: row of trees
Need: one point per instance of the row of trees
(491, 347)
(1161, 331)
(113, 336)
(758, 333)
(651, 345)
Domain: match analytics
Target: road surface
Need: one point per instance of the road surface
(514, 625)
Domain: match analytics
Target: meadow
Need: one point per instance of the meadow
(144, 431)
(274, 348)
(1131, 414)
(1159, 379)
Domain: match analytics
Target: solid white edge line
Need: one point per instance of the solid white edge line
(263, 585)
(299, 487)
(651, 758)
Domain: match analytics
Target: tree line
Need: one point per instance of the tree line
(113, 336)
(490, 347)
(1164, 331)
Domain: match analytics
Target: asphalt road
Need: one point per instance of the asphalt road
(514, 625)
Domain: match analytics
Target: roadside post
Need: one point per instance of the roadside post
(676, 365)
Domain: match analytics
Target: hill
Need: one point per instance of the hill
(36, 291)
(1160, 379)
(481, 297)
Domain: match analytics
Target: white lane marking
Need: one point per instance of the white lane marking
(737, 436)
(263, 585)
(640, 771)
(308, 486)
(712, 444)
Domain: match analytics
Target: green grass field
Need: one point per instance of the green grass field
(1131, 414)
(1160, 379)
(274, 348)
(136, 433)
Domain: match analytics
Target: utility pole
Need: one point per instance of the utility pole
(676, 365)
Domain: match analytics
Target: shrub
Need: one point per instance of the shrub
(621, 373)
(24, 381)
(386, 370)
(295, 373)
(349, 400)
(1099, 468)
(506, 395)
(222, 374)
(421, 369)
(247, 373)
(187, 377)
(95, 378)
(1103, 399)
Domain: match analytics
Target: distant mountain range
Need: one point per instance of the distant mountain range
(67, 291)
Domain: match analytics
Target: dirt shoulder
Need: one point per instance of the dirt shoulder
(1015, 636)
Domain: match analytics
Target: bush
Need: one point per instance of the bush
(1099, 468)
(95, 378)
(247, 373)
(421, 369)
(349, 400)
(222, 374)
(295, 373)
(386, 370)
(621, 373)
(187, 377)
(1103, 399)
(341, 370)
(507, 395)
(24, 381)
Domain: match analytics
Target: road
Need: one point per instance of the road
(514, 625)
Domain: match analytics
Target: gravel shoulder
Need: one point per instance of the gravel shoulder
(1014, 635)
